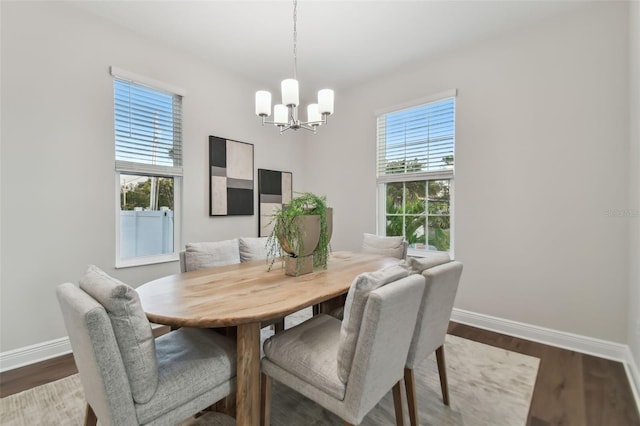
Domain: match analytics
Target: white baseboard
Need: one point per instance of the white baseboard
(633, 373)
(34, 353)
(588, 345)
(574, 342)
(38, 352)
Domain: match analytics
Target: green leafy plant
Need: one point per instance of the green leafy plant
(285, 228)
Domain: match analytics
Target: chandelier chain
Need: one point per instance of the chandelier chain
(295, 38)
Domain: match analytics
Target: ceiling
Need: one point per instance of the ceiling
(339, 42)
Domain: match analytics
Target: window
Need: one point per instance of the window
(415, 165)
(148, 166)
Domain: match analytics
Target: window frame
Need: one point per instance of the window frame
(426, 176)
(141, 169)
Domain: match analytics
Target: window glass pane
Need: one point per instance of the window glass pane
(394, 197)
(146, 215)
(439, 233)
(394, 226)
(147, 125)
(415, 227)
(415, 197)
(419, 139)
(439, 197)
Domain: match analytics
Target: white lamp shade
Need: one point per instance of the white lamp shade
(280, 113)
(290, 92)
(325, 101)
(313, 115)
(263, 103)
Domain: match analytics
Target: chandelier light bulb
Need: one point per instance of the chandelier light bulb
(325, 101)
(290, 92)
(263, 103)
(313, 115)
(280, 114)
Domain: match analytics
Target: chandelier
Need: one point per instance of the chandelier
(285, 115)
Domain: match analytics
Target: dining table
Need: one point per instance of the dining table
(245, 295)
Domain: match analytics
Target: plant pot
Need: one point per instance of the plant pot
(300, 253)
(329, 216)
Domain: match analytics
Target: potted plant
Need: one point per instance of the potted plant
(301, 233)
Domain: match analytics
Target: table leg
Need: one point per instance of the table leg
(248, 375)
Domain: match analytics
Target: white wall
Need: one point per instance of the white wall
(541, 153)
(542, 145)
(634, 164)
(58, 194)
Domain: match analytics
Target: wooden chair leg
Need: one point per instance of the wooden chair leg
(410, 387)
(397, 403)
(90, 418)
(265, 400)
(278, 326)
(442, 370)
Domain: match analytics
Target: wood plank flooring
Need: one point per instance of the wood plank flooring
(571, 388)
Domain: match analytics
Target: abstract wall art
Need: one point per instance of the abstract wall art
(230, 177)
(274, 190)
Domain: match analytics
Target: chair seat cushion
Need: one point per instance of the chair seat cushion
(131, 328)
(191, 361)
(211, 254)
(309, 351)
(428, 260)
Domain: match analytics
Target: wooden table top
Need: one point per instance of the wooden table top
(247, 292)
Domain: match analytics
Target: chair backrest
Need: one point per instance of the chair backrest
(435, 310)
(253, 248)
(354, 307)
(383, 342)
(211, 254)
(97, 356)
(388, 246)
(183, 261)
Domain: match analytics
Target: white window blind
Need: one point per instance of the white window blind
(148, 130)
(417, 143)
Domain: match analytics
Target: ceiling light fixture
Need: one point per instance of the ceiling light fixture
(285, 115)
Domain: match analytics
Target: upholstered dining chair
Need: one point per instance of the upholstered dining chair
(348, 367)
(388, 246)
(442, 278)
(209, 254)
(130, 378)
(253, 248)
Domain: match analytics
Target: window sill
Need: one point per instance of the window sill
(146, 260)
(414, 252)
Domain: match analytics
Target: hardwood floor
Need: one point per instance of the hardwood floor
(571, 388)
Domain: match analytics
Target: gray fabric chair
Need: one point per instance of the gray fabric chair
(253, 248)
(209, 254)
(314, 356)
(431, 327)
(388, 246)
(130, 378)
